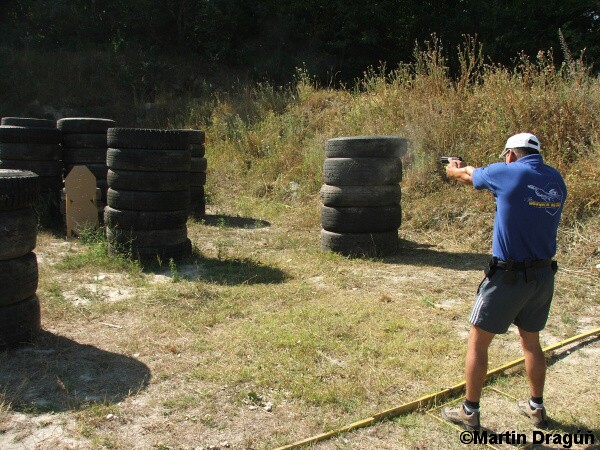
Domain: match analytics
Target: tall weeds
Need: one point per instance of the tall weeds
(268, 139)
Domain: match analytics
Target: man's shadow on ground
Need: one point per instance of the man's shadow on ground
(572, 427)
(556, 426)
(58, 374)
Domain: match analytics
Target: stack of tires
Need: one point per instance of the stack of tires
(361, 210)
(19, 306)
(148, 193)
(84, 144)
(34, 145)
(198, 167)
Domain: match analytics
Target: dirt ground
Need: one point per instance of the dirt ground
(85, 385)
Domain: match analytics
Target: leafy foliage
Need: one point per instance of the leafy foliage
(334, 38)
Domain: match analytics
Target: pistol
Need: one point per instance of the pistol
(447, 159)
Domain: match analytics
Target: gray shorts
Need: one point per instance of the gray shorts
(527, 305)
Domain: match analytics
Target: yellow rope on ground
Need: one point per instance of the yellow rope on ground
(426, 400)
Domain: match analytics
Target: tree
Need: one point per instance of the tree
(270, 38)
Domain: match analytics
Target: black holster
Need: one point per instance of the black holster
(529, 271)
(491, 268)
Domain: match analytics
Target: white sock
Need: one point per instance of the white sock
(536, 405)
(470, 410)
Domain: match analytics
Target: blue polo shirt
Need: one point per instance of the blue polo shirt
(529, 199)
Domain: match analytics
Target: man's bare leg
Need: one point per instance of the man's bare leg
(477, 361)
(535, 362)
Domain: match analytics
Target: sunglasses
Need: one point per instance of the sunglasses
(504, 153)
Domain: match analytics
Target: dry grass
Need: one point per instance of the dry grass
(260, 339)
(264, 340)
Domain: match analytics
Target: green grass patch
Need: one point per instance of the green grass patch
(91, 251)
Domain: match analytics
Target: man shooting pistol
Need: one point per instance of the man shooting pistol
(519, 280)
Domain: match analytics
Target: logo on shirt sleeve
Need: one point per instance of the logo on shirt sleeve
(550, 197)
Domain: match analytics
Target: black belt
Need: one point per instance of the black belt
(527, 264)
(511, 267)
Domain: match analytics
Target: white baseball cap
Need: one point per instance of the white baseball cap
(521, 140)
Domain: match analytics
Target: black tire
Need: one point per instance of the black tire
(164, 253)
(82, 155)
(39, 152)
(197, 150)
(197, 202)
(194, 136)
(129, 180)
(198, 165)
(147, 138)
(98, 170)
(101, 208)
(198, 205)
(23, 135)
(197, 208)
(366, 147)
(48, 208)
(46, 168)
(52, 184)
(96, 140)
(360, 219)
(197, 179)
(103, 185)
(362, 171)
(360, 244)
(84, 125)
(19, 232)
(20, 323)
(144, 220)
(148, 201)
(385, 195)
(18, 278)
(18, 189)
(146, 238)
(28, 122)
(196, 193)
(148, 160)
